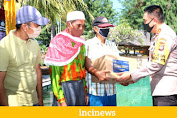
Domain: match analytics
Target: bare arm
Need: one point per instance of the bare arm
(101, 75)
(39, 84)
(3, 100)
(89, 66)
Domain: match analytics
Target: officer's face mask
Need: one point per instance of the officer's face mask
(147, 27)
(103, 32)
(36, 32)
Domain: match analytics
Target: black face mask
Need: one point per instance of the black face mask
(147, 28)
(104, 32)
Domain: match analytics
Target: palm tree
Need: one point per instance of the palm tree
(56, 9)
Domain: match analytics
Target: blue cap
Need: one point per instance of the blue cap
(30, 14)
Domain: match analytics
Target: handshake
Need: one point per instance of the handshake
(124, 78)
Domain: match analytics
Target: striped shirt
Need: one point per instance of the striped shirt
(95, 49)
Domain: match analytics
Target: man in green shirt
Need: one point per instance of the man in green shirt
(66, 57)
(20, 74)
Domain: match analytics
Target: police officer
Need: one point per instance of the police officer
(163, 60)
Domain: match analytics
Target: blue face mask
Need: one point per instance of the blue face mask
(104, 32)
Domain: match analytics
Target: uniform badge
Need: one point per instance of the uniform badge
(161, 47)
(162, 44)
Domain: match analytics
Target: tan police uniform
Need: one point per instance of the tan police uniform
(163, 63)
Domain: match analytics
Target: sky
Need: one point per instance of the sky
(116, 5)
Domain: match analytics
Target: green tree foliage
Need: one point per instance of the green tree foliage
(45, 35)
(123, 32)
(132, 11)
(55, 10)
(99, 8)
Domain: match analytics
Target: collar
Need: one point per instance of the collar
(99, 41)
(161, 28)
(75, 39)
(18, 40)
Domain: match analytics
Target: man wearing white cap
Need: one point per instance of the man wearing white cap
(66, 57)
(20, 74)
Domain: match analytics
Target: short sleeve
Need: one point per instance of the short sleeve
(38, 59)
(86, 48)
(4, 58)
(115, 49)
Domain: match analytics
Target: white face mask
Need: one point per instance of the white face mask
(36, 32)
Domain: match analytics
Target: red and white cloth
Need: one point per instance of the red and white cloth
(60, 51)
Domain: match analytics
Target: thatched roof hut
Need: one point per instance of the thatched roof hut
(135, 45)
(145, 37)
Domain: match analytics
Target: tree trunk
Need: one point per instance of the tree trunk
(52, 30)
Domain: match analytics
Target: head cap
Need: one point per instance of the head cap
(30, 14)
(75, 15)
(101, 22)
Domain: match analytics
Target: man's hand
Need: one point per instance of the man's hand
(126, 84)
(3, 100)
(101, 75)
(124, 78)
(62, 104)
(86, 99)
(41, 102)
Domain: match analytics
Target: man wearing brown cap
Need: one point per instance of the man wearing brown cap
(100, 93)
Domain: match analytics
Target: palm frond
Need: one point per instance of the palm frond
(57, 9)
